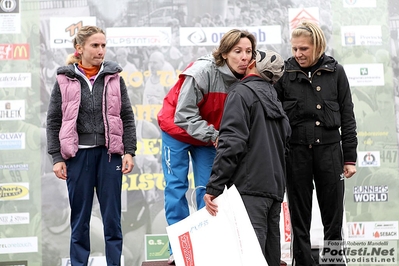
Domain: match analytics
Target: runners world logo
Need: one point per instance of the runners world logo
(187, 249)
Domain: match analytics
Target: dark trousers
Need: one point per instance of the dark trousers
(264, 214)
(93, 170)
(322, 166)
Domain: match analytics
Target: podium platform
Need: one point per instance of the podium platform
(165, 263)
(155, 263)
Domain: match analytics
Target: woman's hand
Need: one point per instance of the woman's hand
(60, 170)
(210, 206)
(127, 163)
(215, 144)
(349, 170)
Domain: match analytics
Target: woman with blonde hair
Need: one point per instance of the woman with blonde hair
(317, 98)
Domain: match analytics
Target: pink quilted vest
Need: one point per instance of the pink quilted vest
(70, 92)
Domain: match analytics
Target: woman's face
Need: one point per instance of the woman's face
(93, 51)
(239, 57)
(302, 50)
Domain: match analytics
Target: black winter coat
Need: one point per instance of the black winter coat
(253, 139)
(319, 105)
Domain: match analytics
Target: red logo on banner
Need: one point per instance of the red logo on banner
(287, 222)
(356, 229)
(21, 51)
(12, 51)
(6, 51)
(302, 15)
(376, 234)
(187, 249)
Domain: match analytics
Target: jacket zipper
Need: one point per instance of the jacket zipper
(105, 112)
(310, 75)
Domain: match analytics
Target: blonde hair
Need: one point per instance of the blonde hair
(315, 33)
(228, 41)
(81, 36)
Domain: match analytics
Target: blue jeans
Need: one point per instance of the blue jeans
(175, 166)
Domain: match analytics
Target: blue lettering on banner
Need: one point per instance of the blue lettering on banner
(216, 37)
(260, 36)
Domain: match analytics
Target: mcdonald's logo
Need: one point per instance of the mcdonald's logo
(21, 51)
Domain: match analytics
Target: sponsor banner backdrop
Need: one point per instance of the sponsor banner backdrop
(359, 3)
(14, 218)
(11, 51)
(194, 36)
(365, 74)
(9, 80)
(375, 230)
(12, 110)
(10, 16)
(63, 30)
(156, 247)
(154, 41)
(122, 37)
(18, 245)
(361, 35)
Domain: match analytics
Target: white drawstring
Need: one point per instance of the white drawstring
(192, 197)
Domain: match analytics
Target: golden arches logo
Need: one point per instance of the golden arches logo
(21, 51)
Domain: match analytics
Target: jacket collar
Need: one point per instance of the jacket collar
(327, 63)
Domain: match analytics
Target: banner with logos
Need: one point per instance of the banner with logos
(153, 41)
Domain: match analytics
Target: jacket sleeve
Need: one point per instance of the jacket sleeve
(232, 144)
(187, 115)
(129, 126)
(53, 124)
(348, 121)
(278, 86)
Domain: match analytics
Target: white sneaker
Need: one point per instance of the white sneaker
(171, 260)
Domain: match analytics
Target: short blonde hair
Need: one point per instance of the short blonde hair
(316, 34)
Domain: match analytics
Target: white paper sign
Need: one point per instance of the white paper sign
(225, 239)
